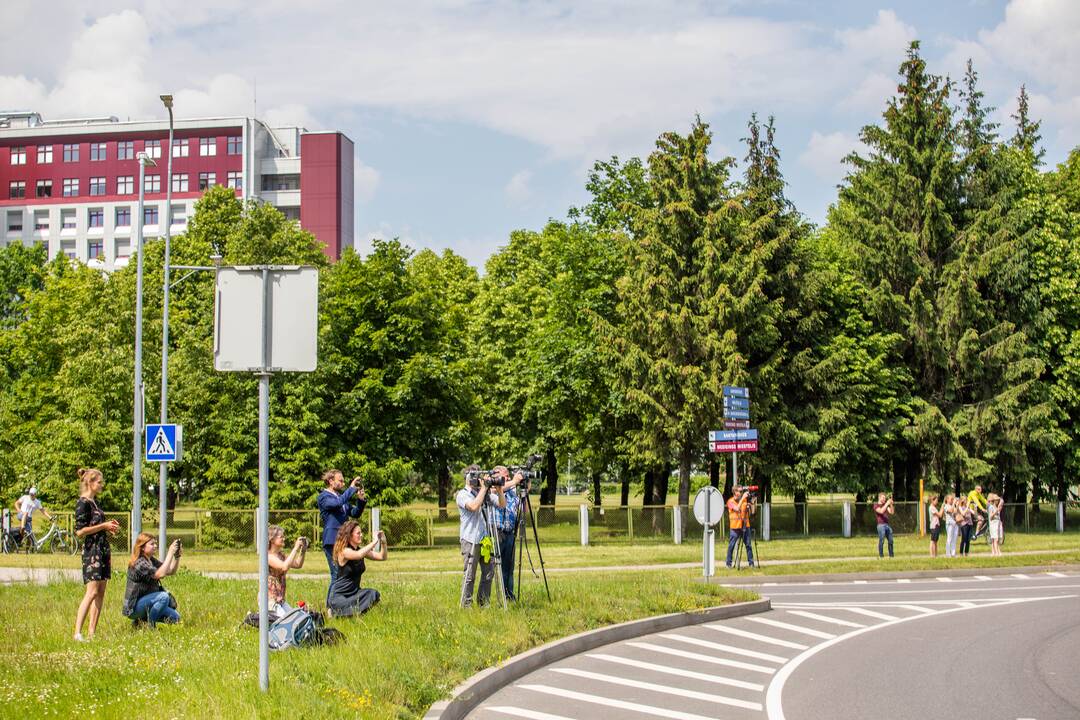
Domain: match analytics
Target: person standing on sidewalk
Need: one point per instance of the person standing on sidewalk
(994, 505)
(967, 522)
(883, 508)
(740, 507)
(936, 512)
(335, 507)
(952, 530)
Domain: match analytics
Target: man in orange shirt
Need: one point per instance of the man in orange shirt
(740, 507)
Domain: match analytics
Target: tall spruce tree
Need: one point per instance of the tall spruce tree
(1027, 137)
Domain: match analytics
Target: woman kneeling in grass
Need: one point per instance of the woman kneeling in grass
(346, 596)
(144, 598)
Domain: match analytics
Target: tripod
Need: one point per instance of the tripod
(496, 555)
(749, 527)
(523, 541)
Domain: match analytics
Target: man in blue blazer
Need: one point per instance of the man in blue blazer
(336, 507)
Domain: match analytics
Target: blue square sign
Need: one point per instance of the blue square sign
(163, 443)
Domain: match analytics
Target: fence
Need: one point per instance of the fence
(202, 529)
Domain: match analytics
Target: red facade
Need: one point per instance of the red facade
(326, 189)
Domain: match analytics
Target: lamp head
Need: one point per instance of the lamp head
(167, 99)
(145, 160)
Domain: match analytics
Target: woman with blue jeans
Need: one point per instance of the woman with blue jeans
(144, 598)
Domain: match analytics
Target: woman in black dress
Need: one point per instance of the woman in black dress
(94, 529)
(347, 598)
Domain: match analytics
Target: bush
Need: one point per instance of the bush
(404, 528)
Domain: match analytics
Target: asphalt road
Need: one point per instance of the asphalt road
(985, 647)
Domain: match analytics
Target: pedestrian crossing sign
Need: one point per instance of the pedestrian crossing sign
(163, 443)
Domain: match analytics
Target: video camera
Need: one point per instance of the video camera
(475, 476)
(526, 468)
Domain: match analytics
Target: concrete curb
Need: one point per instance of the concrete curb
(760, 580)
(480, 686)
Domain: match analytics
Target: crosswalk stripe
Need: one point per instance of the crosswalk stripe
(703, 658)
(524, 713)
(726, 648)
(825, 618)
(916, 608)
(666, 689)
(870, 613)
(677, 671)
(621, 704)
(792, 628)
(966, 604)
(755, 636)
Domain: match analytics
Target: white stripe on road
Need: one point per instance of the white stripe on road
(863, 593)
(825, 618)
(916, 608)
(621, 704)
(756, 636)
(861, 582)
(702, 658)
(870, 613)
(1021, 576)
(523, 713)
(903, 580)
(966, 604)
(653, 667)
(983, 577)
(726, 648)
(792, 628)
(666, 689)
(1056, 574)
(944, 579)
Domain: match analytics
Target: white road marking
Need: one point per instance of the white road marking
(861, 582)
(677, 671)
(1021, 576)
(818, 582)
(870, 613)
(755, 636)
(917, 608)
(523, 713)
(944, 579)
(621, 704)
(894, 591)
(1056, 574)
(726, 648)
(792, 628)
(703, 658)
(965, 604)
(904, 580)
(666, 689)
(825, 618)
(983, 577)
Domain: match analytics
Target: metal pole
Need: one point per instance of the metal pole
(137, 408)
(163, 468)
(264, 478)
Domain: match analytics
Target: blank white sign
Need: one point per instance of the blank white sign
(293, 327)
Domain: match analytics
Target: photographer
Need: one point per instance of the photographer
(506, 520)
(280, 565)
(883, 508)
(740, 506)
(335, 507)
(473, 532)
(144, 598)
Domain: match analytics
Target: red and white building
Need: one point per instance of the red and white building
(72, 184)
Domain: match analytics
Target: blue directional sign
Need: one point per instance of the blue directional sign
(736, 403)
(731, 435)
(735, 391)
(736, 414)
(163, 443)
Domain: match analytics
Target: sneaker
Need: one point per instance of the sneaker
(79, 637)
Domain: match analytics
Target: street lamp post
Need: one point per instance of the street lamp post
(136, 472)
(163, 469)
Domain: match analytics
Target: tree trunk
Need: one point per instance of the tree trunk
(660, 485)
(1059, 476)
(800, 510)
(597, 500)
(684, 475)
(714, 471)
(647, 489)
(551, 481)
(443, 483)
(624, 491)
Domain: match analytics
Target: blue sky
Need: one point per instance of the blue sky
(473, 119)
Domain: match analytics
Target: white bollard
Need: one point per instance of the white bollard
(676, 524)
(708, 552)
(766, 521)
(583, 521)
(1061, 517)
(847, 519)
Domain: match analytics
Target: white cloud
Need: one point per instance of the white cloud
(871, 94)
(1039, 36)
(366, 180)
(517, 190)
(824, 154)
(883, 42)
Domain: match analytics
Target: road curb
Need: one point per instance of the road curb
(480, 686)
(760, 580)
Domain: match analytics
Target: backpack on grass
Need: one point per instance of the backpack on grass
(301, 628)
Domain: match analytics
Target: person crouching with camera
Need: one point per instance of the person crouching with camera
(347, 598)
(473, 531)
(280, 565)
(740, 507)
(144, 598)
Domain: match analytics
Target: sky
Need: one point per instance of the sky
(475, 118)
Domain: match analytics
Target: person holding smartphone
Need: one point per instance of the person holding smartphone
(94, 530)
(144, 598)
(280, 565)
(347, 598)
(883, 509)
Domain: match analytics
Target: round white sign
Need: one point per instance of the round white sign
(712, 498)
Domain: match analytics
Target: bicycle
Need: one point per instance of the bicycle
(11, 541)
(55, 540)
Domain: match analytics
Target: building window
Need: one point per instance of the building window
(150, 215)
(180, 182)
(152, 184)
(97, 151)
(18, 156)
(44, 188)
(67, 219)
(17, 189)
(95, 217)
(97, 186)
(41, 219)
(44, 154)
(235, 180)
(178, 215)
(125, 150)
(207, 180)
(123, 217)
(94, 249)
(235, 145)
(71, 153)
(71, 187)
(207, 146)
(180, 147)
(153, 148)
(125, 185)
(14, 221)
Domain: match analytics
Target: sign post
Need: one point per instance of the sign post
(708, 509)
(266, 320)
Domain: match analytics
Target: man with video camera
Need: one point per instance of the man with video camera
(740, 506)
(506, 520)
(335, 507)
(473, 532)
